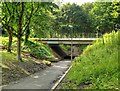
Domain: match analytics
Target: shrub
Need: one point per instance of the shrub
(37, 49)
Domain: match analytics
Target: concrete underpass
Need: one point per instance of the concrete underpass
(60, 52)
(54, 45)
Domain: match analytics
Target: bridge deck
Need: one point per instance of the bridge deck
(67, 40)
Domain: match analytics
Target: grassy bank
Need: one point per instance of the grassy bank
(36, 49)
(97, 67)
(35, 55)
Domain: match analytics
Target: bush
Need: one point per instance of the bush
(37, 49)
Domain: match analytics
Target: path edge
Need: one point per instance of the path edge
(58, 82)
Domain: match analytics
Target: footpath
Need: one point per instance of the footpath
(43, 80)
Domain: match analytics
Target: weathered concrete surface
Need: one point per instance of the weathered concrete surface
(43, 79)
(66, 40)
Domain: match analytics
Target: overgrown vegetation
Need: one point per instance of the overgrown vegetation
(38, 50)
(35, 49)
(97, 67)
(35, 56)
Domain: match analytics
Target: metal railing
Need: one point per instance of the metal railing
(80, 35)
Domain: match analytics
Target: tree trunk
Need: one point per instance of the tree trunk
(10, 42)
(19, 36)
(19, 49)
(27, 35)
(10, 33)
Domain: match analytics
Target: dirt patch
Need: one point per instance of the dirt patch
(17, 70)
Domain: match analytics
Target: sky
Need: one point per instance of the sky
(79, 2)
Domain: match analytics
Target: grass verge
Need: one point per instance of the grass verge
(96, 67)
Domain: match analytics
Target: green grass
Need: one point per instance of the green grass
(37, 49)
(6, 56)
(5, 42)
(97, 66)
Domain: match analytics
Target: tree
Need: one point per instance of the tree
(87, 7)
(42, 21)
(18, 20)
(7, 17)
(74, 15)
(116, 14)
(105, 15)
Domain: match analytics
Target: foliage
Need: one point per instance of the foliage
(97, 66)
(105, 15)
(37, 49)
(42, 21)
(16, 19)
(72, 15)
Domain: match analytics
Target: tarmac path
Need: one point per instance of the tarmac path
(41, 80)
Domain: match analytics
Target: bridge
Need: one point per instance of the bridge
(67, 40)
(54, 44)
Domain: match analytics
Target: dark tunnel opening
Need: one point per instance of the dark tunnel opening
(69, 57)
(56, 48)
